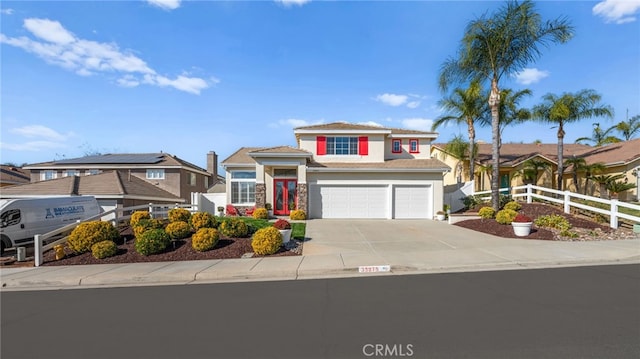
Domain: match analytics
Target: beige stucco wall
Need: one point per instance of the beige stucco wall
(424, 149)
(593, 188)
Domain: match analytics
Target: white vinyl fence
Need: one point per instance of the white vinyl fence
(568, 199)
(115, 216)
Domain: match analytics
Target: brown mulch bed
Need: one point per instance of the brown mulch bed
(586, 229)
(226, 248)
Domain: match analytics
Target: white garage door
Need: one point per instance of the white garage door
(348, 201)
(412, 202)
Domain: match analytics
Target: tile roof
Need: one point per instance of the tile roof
(399, 164)
(281, 149)
(241, 156)
(120, 160)
(111, 183)
(354, 126)
(10, 175)
(615, 153)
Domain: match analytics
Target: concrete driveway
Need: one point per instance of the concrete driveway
(429, 245)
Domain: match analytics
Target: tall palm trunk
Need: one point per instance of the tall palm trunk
(472, 141)
(494, 104)
(560, 151)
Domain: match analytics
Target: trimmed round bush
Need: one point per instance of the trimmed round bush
(297, 215)
(205, 239)
(104, 249)
(179, 214)
(138, 216)
(87, 234)
(260, 213)
(178, 230)
(487, 212)
(553, 221)
(234, 228)
(145, 225)
(203, 220)
(506, 216)
(152, 241)
(266, 241)
(513, 205)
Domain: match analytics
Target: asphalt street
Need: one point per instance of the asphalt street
(579, 312)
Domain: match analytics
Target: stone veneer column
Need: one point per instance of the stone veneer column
(261, 195)
(302, 197)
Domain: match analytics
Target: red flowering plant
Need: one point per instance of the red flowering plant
(521, 218)
(282, 224)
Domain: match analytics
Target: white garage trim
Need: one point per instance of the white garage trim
(412, 202)
(348, 201)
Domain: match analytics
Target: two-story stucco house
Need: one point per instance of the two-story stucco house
(341, 170)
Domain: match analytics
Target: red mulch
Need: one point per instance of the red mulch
(533, 210)
(225, 249)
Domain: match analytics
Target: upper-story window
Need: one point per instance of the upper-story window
(192, 179)
(69, 173)
(155, 174)
(91, 172)
(414, 146)
(396, 146)
(48, 175)
(342, 145)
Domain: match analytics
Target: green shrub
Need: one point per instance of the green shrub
(297, 215)
(178, 230)
(138, 216)
(87, 234)
(513, 205)
(145, 225)
(203, 220)
(260, 213)
(487, 212)
(266, 241)
(553, 221)
(234, 228)
(471, 201)
(104, 249)
(205, 239)
(179, 214)
(152, 241)
(506, 216)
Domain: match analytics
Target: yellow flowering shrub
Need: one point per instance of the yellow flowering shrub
(260, 213)
(179, 214)
(178, 230)
(205, 239)
(104, 249)
(87, 234)
(137, 216)
(266, 241)
(203, 220)
(297, 215)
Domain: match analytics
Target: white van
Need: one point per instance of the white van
(22, 218)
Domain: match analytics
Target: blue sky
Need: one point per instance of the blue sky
(188, 77)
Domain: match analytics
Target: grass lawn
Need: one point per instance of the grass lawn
(297, 229)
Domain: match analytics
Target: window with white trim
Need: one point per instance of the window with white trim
(243, 187)
(414, 146)
(91, 172)
(48, 175)
(396, 146)
(342, 145)
(69, 173)
(155, 173)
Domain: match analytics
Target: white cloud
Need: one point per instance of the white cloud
(32, 146)
(420, 124)
(7, 11)
(618, 11)
(35, 131)
(85, 57)
(165, 4)
(413, 104)
(391, 99)
(530, 76)
(288, 3)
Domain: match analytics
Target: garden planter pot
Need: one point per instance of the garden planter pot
(286, 235)
(440, 217)
(521, 229)
(270, 213)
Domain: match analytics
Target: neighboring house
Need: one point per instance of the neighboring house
(167, 172)
(110, 188)
(341, 170)
(618, 158)
(11, 176)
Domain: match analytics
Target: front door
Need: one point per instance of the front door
(285, 196)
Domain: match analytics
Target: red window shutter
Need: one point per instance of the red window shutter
(363, 146)
(321, 145)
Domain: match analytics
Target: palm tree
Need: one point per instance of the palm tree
(510, 113)
(576, 163)
(502, 44)
(531, 168)
(629, 128)
(464, 106)
(569, 107)
(600, 137)
(459, 148)
(590, 170)
(604, 180)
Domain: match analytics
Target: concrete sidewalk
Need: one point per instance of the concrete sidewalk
(338, 248)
